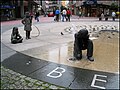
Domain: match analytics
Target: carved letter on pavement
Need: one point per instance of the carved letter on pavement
(59, 74)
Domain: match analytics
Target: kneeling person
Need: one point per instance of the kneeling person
(15, 36)
(83, 42)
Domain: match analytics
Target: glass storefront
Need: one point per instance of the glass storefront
(7, 9)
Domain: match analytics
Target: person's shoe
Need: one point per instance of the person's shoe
(29, 38)
(90, 58)
(72, 59)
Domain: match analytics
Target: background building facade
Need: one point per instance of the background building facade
(94, 7)
(12, 9)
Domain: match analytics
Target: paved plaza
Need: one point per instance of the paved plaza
(42, 62)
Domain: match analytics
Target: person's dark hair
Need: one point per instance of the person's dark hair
(15, 30)
(83, 33)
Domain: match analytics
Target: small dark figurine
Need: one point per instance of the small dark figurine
(83, 42)
(15, 36)
(62, 33)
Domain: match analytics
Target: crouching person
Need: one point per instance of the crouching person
(15, 36)
(83, 42)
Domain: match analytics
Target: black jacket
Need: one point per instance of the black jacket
(81, 39)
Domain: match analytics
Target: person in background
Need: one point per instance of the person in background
(27, 22)
(54, 14)
(57, 12)
(37, 14)
(64, 12)
(113, 15)
(68, 14)
(88, 14)
(80, 14)
(15, 36)
(102, 16)
(106, 16)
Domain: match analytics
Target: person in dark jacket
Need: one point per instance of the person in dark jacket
(57, 12)
(15, 36)
(68, 14)
(37, 14)
(27, 22)
(83, 42)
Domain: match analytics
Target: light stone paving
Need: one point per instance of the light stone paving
(49, 39)
(49, 33)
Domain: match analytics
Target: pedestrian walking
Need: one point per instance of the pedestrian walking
(57, 12)
(106, 16)
(37, 14)
(64, 12)
(102, 16)
(79, 14)
(54, 15)
(27, 22)
(15, 36)
(89, 14)
(68, 14)
(113, 15)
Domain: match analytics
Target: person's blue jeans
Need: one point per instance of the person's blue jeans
(37, 18)
(63, 16)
